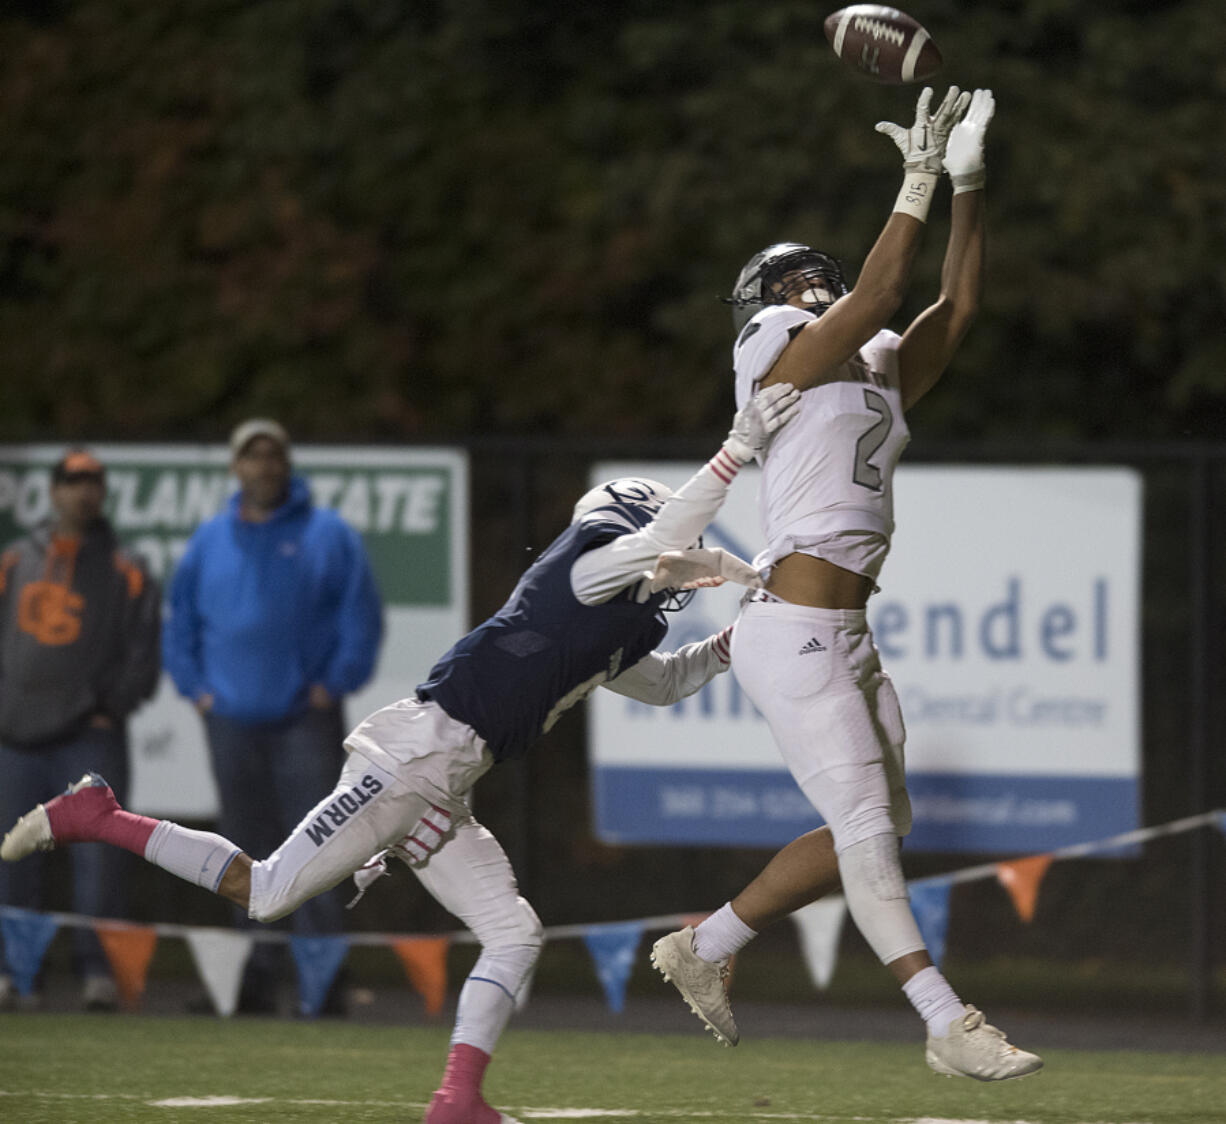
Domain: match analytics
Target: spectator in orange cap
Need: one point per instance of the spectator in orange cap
(79, 651)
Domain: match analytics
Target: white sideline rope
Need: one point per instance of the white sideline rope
(1078, 850)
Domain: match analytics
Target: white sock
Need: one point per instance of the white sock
(195, 856)
(934, 1000)
(722, 934)
(482, 1013)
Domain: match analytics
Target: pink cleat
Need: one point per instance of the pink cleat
(86, 812)
(459, 1100)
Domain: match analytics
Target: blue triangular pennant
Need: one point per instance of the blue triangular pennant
(930, 904)
(318, 959)
(613, 948)
(26, 937)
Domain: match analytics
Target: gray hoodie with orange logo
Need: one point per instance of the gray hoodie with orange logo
(79, 634)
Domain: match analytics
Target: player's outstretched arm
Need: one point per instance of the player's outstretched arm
(854, 319)
(753, 427)
(663, 678)
(605, 571)
(930, 342)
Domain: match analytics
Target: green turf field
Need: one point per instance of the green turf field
(70, 1068)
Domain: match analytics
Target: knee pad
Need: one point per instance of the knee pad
(500, 978)
(876, 894)
(874, 864)
(509, 949)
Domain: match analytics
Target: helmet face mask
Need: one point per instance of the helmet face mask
(781, 272)
(632, 502)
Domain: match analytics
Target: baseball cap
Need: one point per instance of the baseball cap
(246, 432)
(77, 464)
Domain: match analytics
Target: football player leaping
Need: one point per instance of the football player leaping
(587, 613)
(802, 650)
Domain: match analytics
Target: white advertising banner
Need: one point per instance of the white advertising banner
(1008, 619)
(410, 506)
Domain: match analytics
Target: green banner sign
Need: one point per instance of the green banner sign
(401, 502)
(409, 505)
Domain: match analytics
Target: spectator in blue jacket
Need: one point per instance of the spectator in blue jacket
(273, 617)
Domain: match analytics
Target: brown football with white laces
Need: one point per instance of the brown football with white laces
(883, 44)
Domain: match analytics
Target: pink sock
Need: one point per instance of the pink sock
(465, 1069)
(93, 815)
(459, 1100)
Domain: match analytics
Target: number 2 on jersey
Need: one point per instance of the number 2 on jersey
(867, 474)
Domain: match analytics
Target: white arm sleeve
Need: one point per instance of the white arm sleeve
(661, 678)
(601, 573)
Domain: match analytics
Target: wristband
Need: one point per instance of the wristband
(916, 195)
(726, 464)
(968, 181)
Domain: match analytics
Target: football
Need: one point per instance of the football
(883, 44)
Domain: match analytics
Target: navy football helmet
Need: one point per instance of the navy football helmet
(761, 282)
(632, 502)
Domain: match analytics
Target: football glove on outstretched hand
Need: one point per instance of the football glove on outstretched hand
(700, 568)
(964, 153)
(923, 145)
(756, 422)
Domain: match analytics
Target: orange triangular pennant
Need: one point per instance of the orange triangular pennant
(425, 963)
(1021, 878)
(129, 948)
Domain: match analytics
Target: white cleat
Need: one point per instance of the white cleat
(701, 982)
(972, 1048)
(33, 831)
(29, 834)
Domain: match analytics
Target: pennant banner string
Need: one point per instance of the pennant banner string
(1216, 818)
(1077, 850)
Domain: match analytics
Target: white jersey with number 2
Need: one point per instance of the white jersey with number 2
(827, 477)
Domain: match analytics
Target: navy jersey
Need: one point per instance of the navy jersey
(544, 650)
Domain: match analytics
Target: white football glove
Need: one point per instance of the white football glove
(701, 568)
(964, 153)
(923, 145)
(756, 422)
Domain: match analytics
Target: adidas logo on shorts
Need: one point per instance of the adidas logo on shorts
(814, 645)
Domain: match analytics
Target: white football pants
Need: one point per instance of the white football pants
(403, 761)
(816, 677)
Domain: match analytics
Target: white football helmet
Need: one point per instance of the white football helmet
(631, 500)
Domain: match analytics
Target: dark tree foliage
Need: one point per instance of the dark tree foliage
(428, 220)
